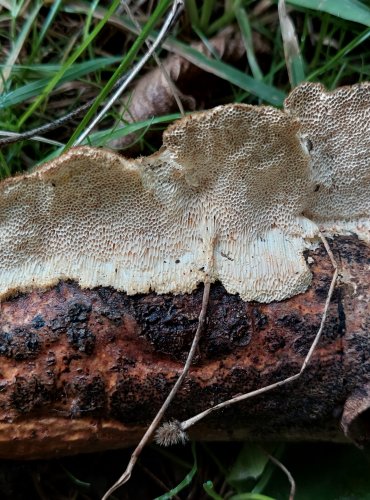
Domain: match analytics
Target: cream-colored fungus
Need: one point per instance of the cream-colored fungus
(222, 200)
(235, 194)
(336, 129)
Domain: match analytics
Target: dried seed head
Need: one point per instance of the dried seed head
(170, 433)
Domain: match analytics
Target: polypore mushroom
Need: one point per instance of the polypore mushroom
(336, 128)
(222, 200)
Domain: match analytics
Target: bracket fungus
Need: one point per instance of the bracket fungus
(231, 196)
(336, 129)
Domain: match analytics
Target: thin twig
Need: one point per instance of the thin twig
(31, 134)
(153, 426)
(38, 138)
(161, 66)
(183, 426)
(48, 127)
(59, 122)
(287, 473)
(157, 480)
(171, 18)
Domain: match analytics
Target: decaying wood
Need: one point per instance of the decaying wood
(85, 370)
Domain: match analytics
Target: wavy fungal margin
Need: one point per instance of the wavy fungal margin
(230, 196)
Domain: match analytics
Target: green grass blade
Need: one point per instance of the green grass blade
(358, 40)
(192, 12)
(266, 92)
(49, 70)
(221, 22)
(245, 28)
(185, 482)
(71, 59)
(14, 53)
(103, 136)
(127, 60)
(33, 89)
(293, 58)
(297, 70)
(5, 170)
(47, 23)
(250, 496)
(350, 10)
(89, 18)
(210, 490)
(207, 8)
(206, 42)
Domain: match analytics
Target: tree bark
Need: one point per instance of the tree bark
(86, 370)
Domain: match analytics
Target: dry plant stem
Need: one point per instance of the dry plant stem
(156, 480)
(287, 473)
(151, 429)
(165, 73)
(18, 137)
(177, 7)
(191, 421)
(290, 42)
(32, 134)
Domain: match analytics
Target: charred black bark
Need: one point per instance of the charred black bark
(85, 370)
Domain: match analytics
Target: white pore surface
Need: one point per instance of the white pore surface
(222, 200)
(335, 127)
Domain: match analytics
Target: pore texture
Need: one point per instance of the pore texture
(335, 127)
(222, 200)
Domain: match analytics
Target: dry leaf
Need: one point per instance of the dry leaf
(154, 96)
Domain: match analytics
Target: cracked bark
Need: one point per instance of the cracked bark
(86, 370)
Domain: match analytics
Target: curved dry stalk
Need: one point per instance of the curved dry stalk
(293, 58)
(177, 7)
(287, 473)
(18, 137)
(180, 428)
(153, 426)
(11, 138)
(166, 75)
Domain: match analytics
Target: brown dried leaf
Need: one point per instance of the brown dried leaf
(153, 95)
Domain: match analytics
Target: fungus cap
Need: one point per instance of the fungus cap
(336, 129)
(222, 200)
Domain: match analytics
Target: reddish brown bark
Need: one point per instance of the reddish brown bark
(85, 370)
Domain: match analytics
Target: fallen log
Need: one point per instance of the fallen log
(86, 370)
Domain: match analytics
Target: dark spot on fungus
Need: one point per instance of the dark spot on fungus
(78, 333)
(89, 396)
(28, 394)
(81, 339)
(38, 322)
(19, 344)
